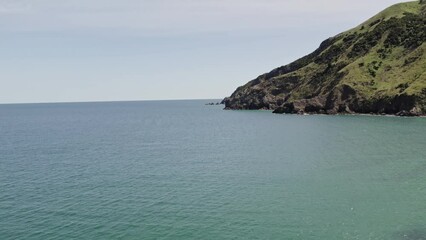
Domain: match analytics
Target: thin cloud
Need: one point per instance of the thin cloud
(14, 7)
(156, 16)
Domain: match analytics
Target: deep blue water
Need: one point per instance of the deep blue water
(183, 170)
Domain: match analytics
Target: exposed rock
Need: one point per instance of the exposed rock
(212, 103)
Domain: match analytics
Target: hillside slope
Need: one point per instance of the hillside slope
(378, 67)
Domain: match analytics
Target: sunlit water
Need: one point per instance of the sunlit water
(183, 170)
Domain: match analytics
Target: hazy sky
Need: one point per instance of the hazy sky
(105, 50)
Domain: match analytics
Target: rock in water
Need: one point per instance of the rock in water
(378, 67)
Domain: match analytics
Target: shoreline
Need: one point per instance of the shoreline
(334, 114)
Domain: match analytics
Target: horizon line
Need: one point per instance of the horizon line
(111, 101)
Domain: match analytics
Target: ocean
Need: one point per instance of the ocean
(184, 170)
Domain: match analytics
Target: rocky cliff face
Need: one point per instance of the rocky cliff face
(378, 67)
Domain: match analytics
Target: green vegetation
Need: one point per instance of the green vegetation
(377, 67)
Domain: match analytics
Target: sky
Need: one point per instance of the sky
(123, 50)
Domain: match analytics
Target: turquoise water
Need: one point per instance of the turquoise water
(183, 170)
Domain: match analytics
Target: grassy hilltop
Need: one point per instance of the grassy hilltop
(377, 67)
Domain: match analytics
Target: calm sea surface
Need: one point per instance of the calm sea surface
(183, 170)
